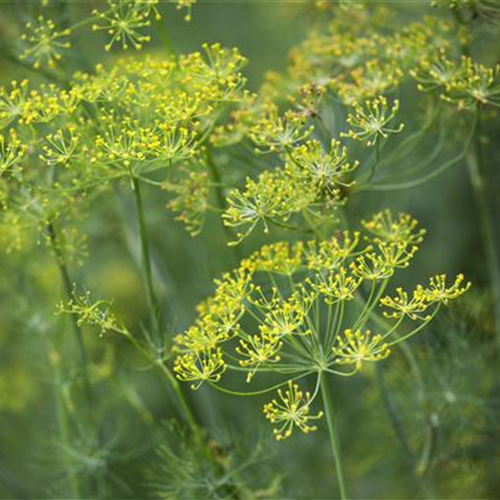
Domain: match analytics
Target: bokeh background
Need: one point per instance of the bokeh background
(452, 419)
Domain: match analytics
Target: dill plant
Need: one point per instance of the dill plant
(294, 310)
(330, 129)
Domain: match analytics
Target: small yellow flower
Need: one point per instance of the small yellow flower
(97, 314)
(122, 21)
(438, 291)
(191, 200)
(280, 258)
(186, 5)
(403, 228)
(275, 133)
(370, 120)
(199, 367)
(61, 147)
(474, 84)
(328, 171)
(337, 286)
(291, 410)
(257, 350)
(44, 42)
(402, 306)
(11, 152)
(285, 317)
(330, 254)
(357, 347)
(372, 267)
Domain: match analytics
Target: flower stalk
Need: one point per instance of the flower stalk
(68, 287)
(478, 185)
(329, 412)
(154, 307)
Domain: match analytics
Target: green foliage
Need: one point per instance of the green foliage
(130, 180)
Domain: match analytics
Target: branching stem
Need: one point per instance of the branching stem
(153, 304)
(68, 293)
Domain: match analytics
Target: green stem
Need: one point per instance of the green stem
(63, 422)
(399, 430)
(479, 188)
(147, 275)
(373, 168)
(186, 410)
(68, 292)
(221, 202)
(153, 305)
(486, 225)
(429, 176)
(327, 403)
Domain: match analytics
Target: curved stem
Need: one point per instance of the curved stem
(431, 175)
(259, 392)
(328, 406)
(186, 410)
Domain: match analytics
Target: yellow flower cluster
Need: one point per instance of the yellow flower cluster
(123, 21)
(466, 83)
(355, 348)
(191, 200)
(355, 61)
(313, 180)
(44, 42)
(295, 309)
(291, 410)
(96, 314)
(137, 117)
(12, 151)
(369, 120)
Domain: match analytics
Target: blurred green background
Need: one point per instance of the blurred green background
(456, 423)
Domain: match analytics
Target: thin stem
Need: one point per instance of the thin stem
(221, 202)
(261, 391)
(68, 293)
(153, 305)
(327, 403)
(399, 429)
(188, 414)
(429, 176)
(147, 275)
(63, 421)
(373, 168)
(416, 330)
(478, 186)
(486, 225)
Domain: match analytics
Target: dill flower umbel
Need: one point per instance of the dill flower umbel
(97, 314)
(291, 410)
(12, 151)
(474, 84)
(369, 121)
(300, 310)
(45, 43)
(123, 122)
(313, 181)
